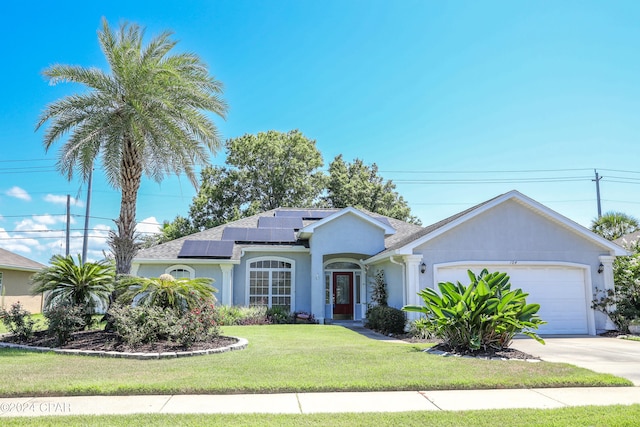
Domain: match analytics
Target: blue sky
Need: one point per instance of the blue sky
(456, 102)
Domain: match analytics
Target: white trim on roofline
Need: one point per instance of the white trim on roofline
(16, 268)
(173, 261)
(274, 249)
(309, 229)
(511, 195)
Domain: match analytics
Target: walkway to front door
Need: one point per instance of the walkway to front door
(342, 295)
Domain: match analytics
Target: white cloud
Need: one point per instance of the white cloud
(18, 193)
(46, 219)
(62, 200)
(17, 243)
(148, 226)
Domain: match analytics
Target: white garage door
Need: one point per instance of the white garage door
(560, 291)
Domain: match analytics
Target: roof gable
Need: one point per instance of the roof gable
(407, 245)
(307, 231)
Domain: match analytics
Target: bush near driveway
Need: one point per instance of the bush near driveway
(487, 314)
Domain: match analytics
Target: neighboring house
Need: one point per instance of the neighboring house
(323, 261)
(15, 281)
(628, 240)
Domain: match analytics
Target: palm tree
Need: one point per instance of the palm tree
(145, 116)
(613, 225)
(87, 285)
(167, 292)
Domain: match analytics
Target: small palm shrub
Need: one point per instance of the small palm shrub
(167, 292)
(486, 314)
(64, 319)
(87, 285)
(18, 321)
(385, 319)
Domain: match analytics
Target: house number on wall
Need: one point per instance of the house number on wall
(513, 262)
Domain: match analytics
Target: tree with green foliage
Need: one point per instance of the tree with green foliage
(144, 116)
(359, 185)
(622, 304)
(613, 225)
(264, 171)
(87, 285)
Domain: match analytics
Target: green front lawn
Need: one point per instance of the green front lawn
(282, 358)
(619, 416)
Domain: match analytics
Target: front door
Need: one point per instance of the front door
(343, 295)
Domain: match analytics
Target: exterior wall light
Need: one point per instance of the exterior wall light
(600, 268)
(423, 268)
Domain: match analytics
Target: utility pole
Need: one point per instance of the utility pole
(597, 180)
(66, 252)
(86, 218)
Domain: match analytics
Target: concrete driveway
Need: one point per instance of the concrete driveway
(607, 355)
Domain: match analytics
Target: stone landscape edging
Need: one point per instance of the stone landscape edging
(240, 345)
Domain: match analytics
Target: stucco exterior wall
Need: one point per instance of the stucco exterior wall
(16, 286)
(211, 271)
(510, 232)
(348, 234)
(394, 278)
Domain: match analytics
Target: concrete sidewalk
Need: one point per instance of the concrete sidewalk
(308, 403)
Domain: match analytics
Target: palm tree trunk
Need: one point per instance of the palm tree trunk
(123, 243)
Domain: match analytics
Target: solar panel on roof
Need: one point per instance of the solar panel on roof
(280, 222)
(289, 214)
(305, 214)
(206, 249)
(261, 235)
(235, 234)
(319, 214)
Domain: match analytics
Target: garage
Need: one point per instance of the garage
(559, 289)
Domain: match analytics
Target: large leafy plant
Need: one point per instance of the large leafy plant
(69, 281)
(487, 314)
(167, 292)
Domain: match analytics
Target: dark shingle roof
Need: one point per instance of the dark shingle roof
(433, 227)
(15, 261)
(171, 249)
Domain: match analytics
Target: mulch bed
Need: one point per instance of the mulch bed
(97, 340)
(505, 353)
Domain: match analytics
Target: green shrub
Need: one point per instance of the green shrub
(486, 314)
(234, 315)
(143, 324)
(622, 303)
(385, 319)
(18, 321)
(420, 329)
(65, 319)
(279, 316)
(198, 325)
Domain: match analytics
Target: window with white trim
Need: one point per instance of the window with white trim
(181, 272)
(271, 283)
(1, 283)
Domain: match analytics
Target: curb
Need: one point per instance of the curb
(240, 345)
